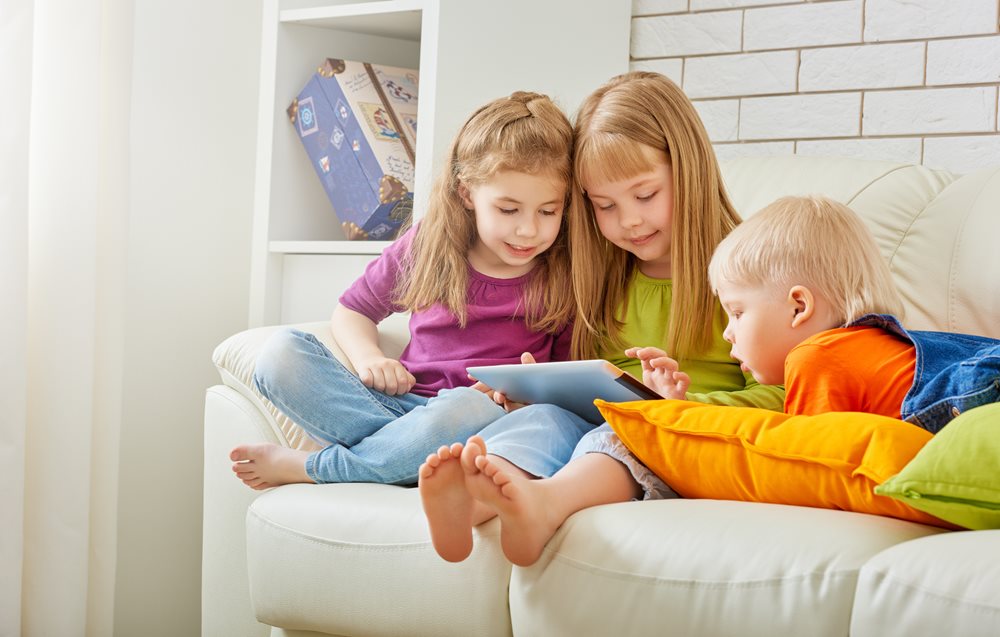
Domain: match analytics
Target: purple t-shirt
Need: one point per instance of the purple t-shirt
(439, 350)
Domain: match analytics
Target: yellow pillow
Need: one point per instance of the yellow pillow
(830, 460)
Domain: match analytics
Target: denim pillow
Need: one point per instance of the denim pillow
(956, 476)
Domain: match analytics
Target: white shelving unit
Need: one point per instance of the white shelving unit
(467, 52)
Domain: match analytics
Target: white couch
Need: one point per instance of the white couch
(355, 559)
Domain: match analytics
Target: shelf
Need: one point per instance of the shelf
(301, 258)
(327, 247)
(398, 19)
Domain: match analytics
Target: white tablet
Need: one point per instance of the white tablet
(572, 385)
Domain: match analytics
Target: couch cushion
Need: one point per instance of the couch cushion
(956, 476)
(941, 585)
(356, 559)
(701, 567)
(830, 460)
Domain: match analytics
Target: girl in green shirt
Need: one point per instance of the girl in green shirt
(655, 208)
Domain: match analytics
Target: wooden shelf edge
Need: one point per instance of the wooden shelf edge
(327, 247)
(361, 11)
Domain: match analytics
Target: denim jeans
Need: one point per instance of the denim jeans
(541, 439)
(369, 436)
(538, 438)
(953, 372)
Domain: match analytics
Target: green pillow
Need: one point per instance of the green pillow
(956, 476)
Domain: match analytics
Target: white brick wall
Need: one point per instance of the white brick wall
(903, 80)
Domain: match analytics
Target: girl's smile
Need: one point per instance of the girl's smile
(518, 216)
(520, 251)
(644, 239)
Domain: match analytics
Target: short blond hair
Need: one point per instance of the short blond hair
(812, 241)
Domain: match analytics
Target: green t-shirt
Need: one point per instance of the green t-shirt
(715, 377)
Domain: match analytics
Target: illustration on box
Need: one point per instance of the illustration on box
(358, 124)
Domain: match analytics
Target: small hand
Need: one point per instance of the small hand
(480, 385)
(386, 375)
(660, 372)
(499, 397)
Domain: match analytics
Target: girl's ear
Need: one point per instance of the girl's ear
(803, 304)
(463, 192)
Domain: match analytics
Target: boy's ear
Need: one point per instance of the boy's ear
(803, 304)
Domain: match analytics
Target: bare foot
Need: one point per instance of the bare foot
(447, 505)
(265, 465)
(527, 521)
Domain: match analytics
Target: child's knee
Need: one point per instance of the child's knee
(277, 357)
(465, 405)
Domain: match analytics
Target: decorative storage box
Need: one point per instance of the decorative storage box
(358, 123)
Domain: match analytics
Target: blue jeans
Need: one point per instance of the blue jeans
(538, 438)
(953, 372)
(370, 436)
(542, 439)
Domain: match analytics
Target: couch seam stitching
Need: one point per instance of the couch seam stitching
(374, 548)
(690, 583)
(954, 601)
(952, 270)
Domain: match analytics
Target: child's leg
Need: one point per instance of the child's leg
(392, 454)
(540, 438)
(604, 441)
(532, 510)
(451, 512)
(265, 465)
(309, 385)
(303, 379)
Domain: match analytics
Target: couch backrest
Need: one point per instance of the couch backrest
(937, 230)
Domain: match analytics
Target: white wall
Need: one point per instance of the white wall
(193, 117)
(907, 80)
(914, 81)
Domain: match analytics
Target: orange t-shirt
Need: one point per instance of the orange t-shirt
(849, 369)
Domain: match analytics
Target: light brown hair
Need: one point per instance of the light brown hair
(527, 133)
(812, 241)
(632, 111)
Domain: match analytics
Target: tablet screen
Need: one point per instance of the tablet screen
(572, 385)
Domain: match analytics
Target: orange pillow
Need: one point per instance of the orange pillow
(831, 461)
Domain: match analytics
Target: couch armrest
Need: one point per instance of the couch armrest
(236, 413)
(230, 419)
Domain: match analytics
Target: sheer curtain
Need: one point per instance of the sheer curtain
(64, 113)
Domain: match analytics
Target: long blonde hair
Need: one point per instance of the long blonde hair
(527, 133)
(811, 241)
(614, 124)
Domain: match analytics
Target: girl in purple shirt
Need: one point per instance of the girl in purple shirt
(484, 276)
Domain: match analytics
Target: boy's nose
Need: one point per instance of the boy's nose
(727, 335)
